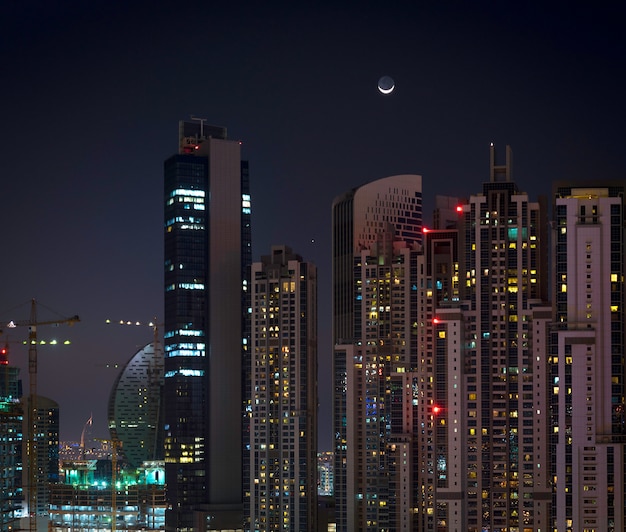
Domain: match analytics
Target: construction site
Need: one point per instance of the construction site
(89, 499)
(120, 489)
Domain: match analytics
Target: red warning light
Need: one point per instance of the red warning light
(459, 209)
(425, 230)
(436, 321)
(436, 409)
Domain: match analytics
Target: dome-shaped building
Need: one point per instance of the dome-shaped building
(135, 407)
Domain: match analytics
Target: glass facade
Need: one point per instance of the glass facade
(135, 409)
(207, 215)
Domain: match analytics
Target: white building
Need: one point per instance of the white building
(587, 362)
(505, 479)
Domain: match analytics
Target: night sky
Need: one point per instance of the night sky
(91, 94)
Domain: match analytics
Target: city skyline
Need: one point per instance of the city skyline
(94, 90)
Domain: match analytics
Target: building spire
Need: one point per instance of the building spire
(499, 173)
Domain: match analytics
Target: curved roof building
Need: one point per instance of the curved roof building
(135, 408)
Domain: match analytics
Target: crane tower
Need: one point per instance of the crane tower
(31, 447)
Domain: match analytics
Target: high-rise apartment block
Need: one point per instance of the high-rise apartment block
(587, 371)
(207, 257)
(437, 288)
(376, 230)
(491, 419)
(11, 439)
(441, 406)
(283, 413)
(46, 451)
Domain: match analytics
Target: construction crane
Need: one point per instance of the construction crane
(31, 446)
(155, 326)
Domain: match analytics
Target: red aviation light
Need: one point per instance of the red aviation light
(459, 209)
(436, 321)
(425, 230)
(4, 356)
(436, 410)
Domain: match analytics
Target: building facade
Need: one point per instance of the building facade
(499, 406)
(376, 231)
(135, 410)
(207, 257)
(87, 499)
(435, 379)
(46, 452)
(587, 358)
(283, 417)
(11, 439)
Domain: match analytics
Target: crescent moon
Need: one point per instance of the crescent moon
(386, 91)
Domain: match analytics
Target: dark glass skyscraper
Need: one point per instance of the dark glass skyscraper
(207, 259)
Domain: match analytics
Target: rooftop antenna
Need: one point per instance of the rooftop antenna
(202, 121)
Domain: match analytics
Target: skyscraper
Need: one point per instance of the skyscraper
(489, 412)
(135, 408)
(207, 255)
(47, 450)
(587, 357)
(437, 380)
(11, 439)
(283, 416)
(376, 230)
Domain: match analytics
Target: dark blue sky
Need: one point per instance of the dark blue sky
(92, 93)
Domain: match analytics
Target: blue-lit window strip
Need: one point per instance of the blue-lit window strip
(193, 197)
(184, 332)
(186, 353)
(185, 346)
(185, 286)
(187, 192)
(187, 222)
(185, 373)
(185, 350)
(246, 205)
